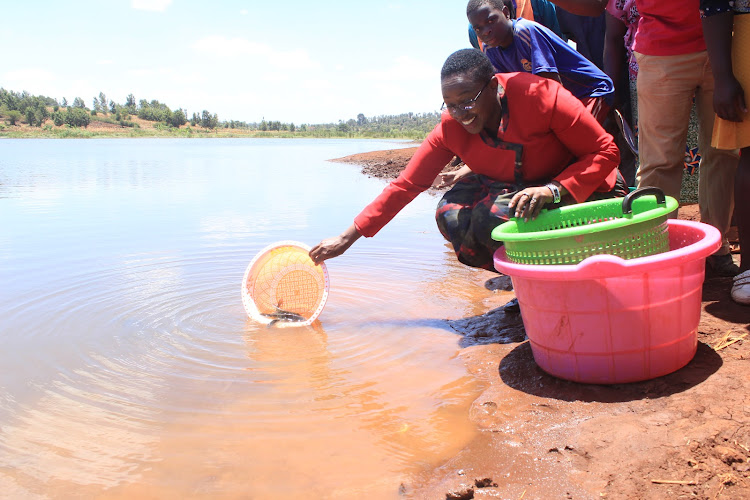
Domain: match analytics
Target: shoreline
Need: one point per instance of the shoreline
(683, 434)
(183, 133)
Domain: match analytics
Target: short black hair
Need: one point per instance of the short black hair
(471, 62)
(498, 4)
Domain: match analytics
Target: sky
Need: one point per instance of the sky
(247, 60)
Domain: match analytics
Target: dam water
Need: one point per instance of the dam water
(130, 369)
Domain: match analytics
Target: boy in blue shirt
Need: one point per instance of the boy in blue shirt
(526, 46)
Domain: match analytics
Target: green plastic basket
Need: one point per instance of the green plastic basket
(630, 227)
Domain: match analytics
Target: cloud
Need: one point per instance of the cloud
(238, 48)
(152, 5)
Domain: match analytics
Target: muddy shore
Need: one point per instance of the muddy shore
(684, 435)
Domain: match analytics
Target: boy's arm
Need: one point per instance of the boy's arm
(538, 48)
(614, 56)
(729, 97)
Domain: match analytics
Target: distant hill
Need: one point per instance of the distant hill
(26, 115)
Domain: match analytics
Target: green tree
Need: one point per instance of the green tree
(13, 116)
(205, 119)
(130, 104)
(77, 117)
(64, 103)
(8, 99)
(78, 103)
(41, 115)
(35, 110)
(177, 118)
(103, 102)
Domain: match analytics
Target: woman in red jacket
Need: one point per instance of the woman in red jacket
(529, 143)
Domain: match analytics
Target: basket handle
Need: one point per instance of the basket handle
(627, 202)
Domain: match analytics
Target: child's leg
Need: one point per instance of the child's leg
(741, 283)
(742, 207)
(717, 166)
(665, 91)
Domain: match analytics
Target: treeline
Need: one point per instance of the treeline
(16, 107)
(34, 109)
(21, 107)
(406, 125)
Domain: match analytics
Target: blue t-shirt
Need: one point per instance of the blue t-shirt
(536, 49)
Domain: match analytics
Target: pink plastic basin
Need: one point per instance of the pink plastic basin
(608, 320)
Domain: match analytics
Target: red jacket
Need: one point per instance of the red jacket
(558, 138)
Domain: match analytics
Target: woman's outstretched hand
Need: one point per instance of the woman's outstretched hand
(529, 202)
(333, 247)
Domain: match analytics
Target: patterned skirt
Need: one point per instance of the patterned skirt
(477, 204)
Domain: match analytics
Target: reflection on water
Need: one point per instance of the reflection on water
(130, 369)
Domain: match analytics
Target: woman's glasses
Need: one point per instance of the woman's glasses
(466, 105)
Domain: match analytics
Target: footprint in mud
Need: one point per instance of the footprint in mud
(486, 415)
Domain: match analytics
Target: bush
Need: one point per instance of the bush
(177, 118)
(58, 118)
(77, 117)
(13, 116)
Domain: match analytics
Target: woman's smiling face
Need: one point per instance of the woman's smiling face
(472, 103)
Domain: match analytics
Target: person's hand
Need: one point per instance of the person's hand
(452, 177)
(333, 247)
(529, 202)
(729, 99)
(448, 179)
(328, 249)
